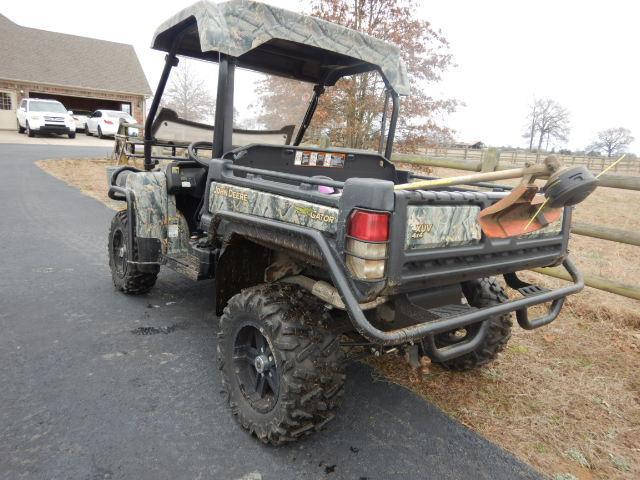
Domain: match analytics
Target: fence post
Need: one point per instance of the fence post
(491, 160)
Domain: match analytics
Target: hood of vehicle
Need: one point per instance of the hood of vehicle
(63, 116)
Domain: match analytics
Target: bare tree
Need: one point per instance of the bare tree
(530, 133)
(187, 94)
(548, 120)
(612, 141)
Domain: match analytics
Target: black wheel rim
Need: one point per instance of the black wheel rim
(119, 252)
(256, 368)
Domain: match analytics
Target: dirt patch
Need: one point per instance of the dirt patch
(565, 398)
(88, 175)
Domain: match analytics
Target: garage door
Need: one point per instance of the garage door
(7, 110)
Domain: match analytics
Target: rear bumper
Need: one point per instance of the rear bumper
(109, 130)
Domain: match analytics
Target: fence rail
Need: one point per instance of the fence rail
(629, 166)
(490, 159)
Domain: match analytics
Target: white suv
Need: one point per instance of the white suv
(36, 115)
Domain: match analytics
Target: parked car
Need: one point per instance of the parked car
(105, 123)
(36, 115)
(80, 118)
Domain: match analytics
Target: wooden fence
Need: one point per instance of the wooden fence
(489, 160)
(628, 166)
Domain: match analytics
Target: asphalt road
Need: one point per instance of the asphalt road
(83, 397)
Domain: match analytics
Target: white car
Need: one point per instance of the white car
(37, 115)
(80, 118)
(106, 123)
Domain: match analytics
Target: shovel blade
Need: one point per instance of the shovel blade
(515, 214)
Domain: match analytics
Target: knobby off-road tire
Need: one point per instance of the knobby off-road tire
(307, 377)
(480, 293)
(126, 277)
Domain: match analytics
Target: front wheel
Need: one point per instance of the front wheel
(30, 133)
(20, 129)
(72, 134)
(484, 292)
(126, 276)
(282, 369)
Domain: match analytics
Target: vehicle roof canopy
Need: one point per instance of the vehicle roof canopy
(277, 41)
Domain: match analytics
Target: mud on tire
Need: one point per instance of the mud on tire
(126, 277)
(307, 364)
(480, 293)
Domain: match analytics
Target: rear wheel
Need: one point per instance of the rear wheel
(126, 277)
(86, 130)
(282, 369)
(484, 292)
(100, 132)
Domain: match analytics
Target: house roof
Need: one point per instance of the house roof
(273, 40)
(40, 56)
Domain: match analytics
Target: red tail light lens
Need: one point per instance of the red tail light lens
(369, 226)
(108, 122)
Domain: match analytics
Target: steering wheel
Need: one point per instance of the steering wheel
(195, 157)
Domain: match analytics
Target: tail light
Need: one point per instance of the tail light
(108, 122)
(367, 239)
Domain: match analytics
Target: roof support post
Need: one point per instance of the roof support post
(395, 98)
(383, 123)
(223, 128)
(311, 109)
(170, 61)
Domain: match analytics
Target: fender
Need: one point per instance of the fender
(158, 229)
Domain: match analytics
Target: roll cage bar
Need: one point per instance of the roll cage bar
(224, 108)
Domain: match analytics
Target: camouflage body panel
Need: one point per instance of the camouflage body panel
(150, 191)
(230, 198)
(156, 215)
(431, 226)
(554, 228)
(238, 26)
(177, 229)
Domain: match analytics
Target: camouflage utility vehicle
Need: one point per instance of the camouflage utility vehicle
(324, 254)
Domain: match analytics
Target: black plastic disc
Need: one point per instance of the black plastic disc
(570, 187)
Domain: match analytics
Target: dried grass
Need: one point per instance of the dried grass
(565, 398)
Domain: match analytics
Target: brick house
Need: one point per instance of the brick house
(82, 73)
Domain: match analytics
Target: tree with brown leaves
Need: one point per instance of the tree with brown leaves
(351, 111)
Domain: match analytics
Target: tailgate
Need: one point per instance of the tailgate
(436, 240)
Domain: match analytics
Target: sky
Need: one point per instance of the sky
(507, 53)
